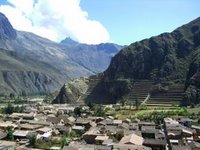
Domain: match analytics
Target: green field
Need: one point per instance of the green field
(152, 112)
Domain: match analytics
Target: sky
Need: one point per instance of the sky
(99, 21)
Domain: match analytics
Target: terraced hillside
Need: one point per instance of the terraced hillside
(169, 57)
(93, 82)
(140, 91)
(172, 96)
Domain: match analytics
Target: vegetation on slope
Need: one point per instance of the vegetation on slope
(172, 58)
(167, 57)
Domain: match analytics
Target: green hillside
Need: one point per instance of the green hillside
(169, 63)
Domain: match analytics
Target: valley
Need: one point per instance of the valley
(70, 95)
(37, 124)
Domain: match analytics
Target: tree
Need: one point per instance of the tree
(18, 109)
(33, 140)
(73, 134)
(63, 142)
(9, 109)
(137, 104)
(119, 135)
(24, 93)
(77, 111)
(99, 111)
(90, 105)
(9, 131)
(12, 95)
(123, 101)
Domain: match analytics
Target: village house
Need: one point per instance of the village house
(108, 142)
(149, 133)
(78, 129)
(4, 125)
(186, 121)
(127, 121)
(117, 122)
(181, 147)
(130, 147)
(84, 122)
(71, 119)
(124, 125)
(20, 134)
(29, 127)
(26, 116)
(197, 129)
(44, 132)
(77, 146)
(149, 124)
(36, 122)
(63, 129)
(155, 144)
(194, 145)
(3, 134)
(105, 122)
(133, 126)
(179, 135)
(132, 139)
(7, 145)
(90, 135)
(100, 139)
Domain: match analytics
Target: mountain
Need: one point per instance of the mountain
(19, 74)
(69, 41)
(6, 29)
(95, 58)
(170, 57)
(31, 64)
(166, 56)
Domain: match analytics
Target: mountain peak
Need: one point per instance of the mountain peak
(69, 41)
(6, 29)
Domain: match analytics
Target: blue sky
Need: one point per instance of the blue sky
(128, 21)
(95, 21)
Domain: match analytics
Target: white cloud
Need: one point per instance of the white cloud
(55, 20)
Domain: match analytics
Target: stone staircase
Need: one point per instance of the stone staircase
(91, 85)
(172, 96)
(139, 91)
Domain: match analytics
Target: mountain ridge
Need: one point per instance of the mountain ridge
(170, 58)
(6, 29)
(25, 54)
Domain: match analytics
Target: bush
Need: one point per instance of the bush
(99, 111)
(119, 135)
(63, 142)
(73, 134)
(143, 107)
(32, 140)
(9, 109)
(10, 131)
(77, 111)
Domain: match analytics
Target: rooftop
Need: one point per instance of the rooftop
(132, 139)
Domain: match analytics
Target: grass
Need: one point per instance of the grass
(195, 110)
(124, 112)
